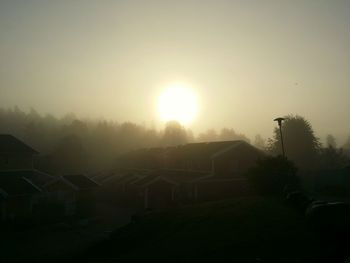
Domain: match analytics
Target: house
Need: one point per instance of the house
(20, 184)
(22, 192)
(17, 197)
(149, 158)
(28, 193)
(187, 173)
(222, 159)
(76, 192)
(14, 154)
(228, 158)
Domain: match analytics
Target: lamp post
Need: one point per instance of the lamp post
(279, 121)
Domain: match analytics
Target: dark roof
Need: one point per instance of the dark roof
(35, 176)
(14, 186)
(146, 180)
(10, 144)
(218, 179)
(199, 150)
(100, 178)
(187, 151)
(80, 181)
(125, 178)
(240, 148)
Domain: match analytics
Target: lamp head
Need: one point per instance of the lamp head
(279, 120)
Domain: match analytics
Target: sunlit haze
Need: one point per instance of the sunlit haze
(249, 61)
(177, 103)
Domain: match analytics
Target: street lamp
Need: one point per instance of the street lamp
(279, 121)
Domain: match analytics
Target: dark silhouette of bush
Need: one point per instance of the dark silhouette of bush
(272, 175)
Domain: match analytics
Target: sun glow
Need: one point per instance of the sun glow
(177, 103)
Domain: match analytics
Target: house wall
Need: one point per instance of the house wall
(19, 207)
(62, 193)
(16, 161)
(159, 195)
(216, 190)
(86, 202)
(235, 162)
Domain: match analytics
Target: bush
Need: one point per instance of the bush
(272, 175)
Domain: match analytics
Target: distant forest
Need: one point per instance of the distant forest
(70, 145)
(73, 145)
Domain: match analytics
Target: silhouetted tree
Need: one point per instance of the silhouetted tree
(332, 158)
(346, 147)
(208, 136)
(230, 135)
(301, 144)
(174, 134)
(330, 141)
(259, 142)
(347, 143)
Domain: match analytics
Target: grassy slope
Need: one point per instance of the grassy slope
(249, 229)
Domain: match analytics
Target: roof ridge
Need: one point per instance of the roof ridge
(11, 144)
(30, 182)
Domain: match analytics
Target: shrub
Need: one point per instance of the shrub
(272, 175)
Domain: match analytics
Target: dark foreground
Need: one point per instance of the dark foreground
(250, 229)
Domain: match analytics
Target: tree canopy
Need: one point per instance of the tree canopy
(301, 144)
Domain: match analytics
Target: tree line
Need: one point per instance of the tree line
(69, 144)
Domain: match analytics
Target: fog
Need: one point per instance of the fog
(248, 62)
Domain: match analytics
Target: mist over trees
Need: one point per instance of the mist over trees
(346, 145)
(259, 142)
(330, 141)
(225, 134)
(174, 134)
(72, 145)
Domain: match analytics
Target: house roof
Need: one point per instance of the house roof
(203, 150)
(80, 181)
(17, 186)
(100, 178)
(37, 177)
(146, 180)
(125, 178)
(200, 150)
(10, 144)
(240, 146)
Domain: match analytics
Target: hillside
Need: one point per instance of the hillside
(250, 229)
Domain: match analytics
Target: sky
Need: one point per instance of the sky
(247, 61)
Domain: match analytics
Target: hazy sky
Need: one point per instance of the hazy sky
(248, 61)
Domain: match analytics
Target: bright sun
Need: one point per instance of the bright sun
(177, 103)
